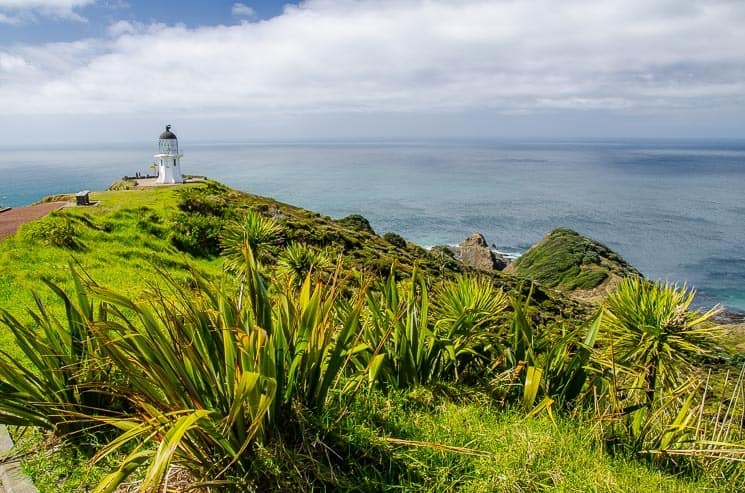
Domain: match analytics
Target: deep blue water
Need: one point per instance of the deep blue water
(674, 209)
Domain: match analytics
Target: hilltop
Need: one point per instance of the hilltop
(572, 263)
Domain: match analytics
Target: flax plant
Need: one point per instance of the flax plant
(61, 383)
(316, 337)
(398, 325)
(196, 379)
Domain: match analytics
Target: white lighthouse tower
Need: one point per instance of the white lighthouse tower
(169, 160)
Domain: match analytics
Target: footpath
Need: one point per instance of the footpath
(12, 219)
(12, 479)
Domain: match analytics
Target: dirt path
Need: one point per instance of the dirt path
(12, 219)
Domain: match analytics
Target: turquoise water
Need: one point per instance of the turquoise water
(674, 209)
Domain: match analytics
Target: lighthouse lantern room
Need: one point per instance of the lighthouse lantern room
(168, 158)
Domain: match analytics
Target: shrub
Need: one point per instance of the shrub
(205, 201)
(468, 322)
(196, 234)
(54, 230)
(442, 257)
(254, 231)
(356, 222)
(199, 377)
(298, 260)
(395, 240)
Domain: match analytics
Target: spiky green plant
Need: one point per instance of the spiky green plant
(254, 232)
(316, 338)
(399, 327)
(653, 331)
(565, 374)
(468, 324)
(299, 259)
(63, 380)
(198, 381)
(521, 342)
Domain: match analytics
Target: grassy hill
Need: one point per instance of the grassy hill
(448, 379)
(570, 262)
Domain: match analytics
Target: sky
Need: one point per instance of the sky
(75, 71)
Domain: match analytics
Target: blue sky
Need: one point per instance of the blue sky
(221, 70)
(34, 25)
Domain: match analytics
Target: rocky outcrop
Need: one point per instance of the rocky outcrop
(474, 252)
(568, 261)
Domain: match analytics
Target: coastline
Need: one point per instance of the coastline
(512, 192)
(729, 315)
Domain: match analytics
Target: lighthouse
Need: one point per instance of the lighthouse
(169, 159)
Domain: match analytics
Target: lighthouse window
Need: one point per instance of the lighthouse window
(174, 162)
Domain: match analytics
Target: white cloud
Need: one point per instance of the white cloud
(126, 27)
(242, 10)
(359, 56)
(12, 63)
(17, 11)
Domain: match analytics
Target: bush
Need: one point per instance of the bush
(395, 240)
(203, 201)
(197, 234)
(356, 222)
(62, 378)
(53, 230)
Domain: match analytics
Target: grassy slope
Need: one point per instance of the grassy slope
(568, 261)
(516, 454)
(364, 250)
(114, 249)
(519, 454)
(117, 250)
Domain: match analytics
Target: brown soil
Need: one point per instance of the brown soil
(12, 219)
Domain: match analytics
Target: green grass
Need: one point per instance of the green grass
(502, 451)
(56, 468)
(116, 247)
(423, 441)
(566, 260)
(519, 454)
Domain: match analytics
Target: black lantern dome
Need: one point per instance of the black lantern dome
(168, 143)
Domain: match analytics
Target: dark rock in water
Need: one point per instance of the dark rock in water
(474, 252)
(729, 317)
(356, 222)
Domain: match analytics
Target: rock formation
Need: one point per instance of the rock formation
(474, 252)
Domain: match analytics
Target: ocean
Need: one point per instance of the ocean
(675, 209)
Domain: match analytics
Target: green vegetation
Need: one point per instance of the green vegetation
(653, 330)
(54, 230)
(566, 260)
(357, 223)
(395, 240)
(254, 362)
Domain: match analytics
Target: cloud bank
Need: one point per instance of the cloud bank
(19, 11)
(361, 56)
